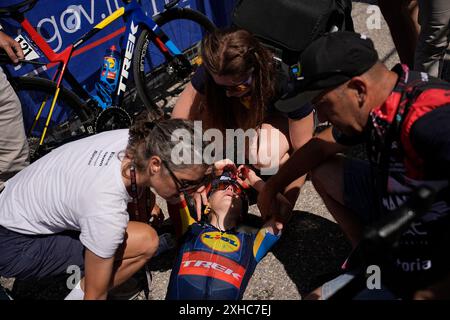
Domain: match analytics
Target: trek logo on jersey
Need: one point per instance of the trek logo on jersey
(128, 56)
(221, 242)
(199, 263)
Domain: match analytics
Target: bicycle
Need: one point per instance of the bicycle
(158, 66)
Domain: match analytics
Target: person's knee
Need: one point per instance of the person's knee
(327, 177)
(320, 175)
(147, 240)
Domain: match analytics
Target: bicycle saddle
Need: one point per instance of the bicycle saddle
(16, 9)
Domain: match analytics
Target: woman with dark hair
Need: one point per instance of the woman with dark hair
(69, 208)
(236, 87)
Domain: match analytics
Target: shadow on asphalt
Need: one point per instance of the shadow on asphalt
(312, 250)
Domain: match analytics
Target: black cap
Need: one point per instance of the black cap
(328, 62)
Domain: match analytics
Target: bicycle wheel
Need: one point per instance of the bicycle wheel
(158, 80)
(71, 119)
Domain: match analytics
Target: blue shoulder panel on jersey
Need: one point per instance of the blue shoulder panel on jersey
(263, 242)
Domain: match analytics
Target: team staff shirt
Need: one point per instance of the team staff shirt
(78, 187)
(418, 155)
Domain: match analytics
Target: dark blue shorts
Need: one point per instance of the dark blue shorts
(39, 256)
(360, 194)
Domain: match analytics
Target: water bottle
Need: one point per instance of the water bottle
(109, 77)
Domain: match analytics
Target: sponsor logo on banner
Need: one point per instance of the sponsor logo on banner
(221, 242)
(110, 70)
(199, 263)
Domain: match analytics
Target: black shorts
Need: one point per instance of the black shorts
(360, 194)
(362, 197)
(39, 256)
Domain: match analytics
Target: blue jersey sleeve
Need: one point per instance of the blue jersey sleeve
(263, 242)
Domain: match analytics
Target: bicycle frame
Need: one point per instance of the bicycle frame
(135, 20)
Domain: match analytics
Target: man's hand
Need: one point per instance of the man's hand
(11, 47)
(266, 198)
(273, 226)
(156, 216)
(282, 209)
(271, 204)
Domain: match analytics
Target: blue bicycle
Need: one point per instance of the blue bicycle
(155, 60)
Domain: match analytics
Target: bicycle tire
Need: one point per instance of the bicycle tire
(35, 88)
(158, 85)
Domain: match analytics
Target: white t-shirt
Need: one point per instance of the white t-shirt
(78, 187)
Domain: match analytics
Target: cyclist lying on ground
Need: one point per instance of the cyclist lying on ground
(216, 260)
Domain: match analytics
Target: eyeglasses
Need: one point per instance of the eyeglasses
(223, 185)
(241, 87)
(187, 186)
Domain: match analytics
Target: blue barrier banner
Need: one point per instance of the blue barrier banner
(63, 22)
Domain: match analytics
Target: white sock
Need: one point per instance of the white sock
(76, 294)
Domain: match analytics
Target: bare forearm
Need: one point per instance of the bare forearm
(258, 185)
(285, 207)
(308, 157)
(187, 100)
(98, 276)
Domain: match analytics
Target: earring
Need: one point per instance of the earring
(207, 209)
(360, 99)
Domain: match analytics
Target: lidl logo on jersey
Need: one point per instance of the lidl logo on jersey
(221, 242)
